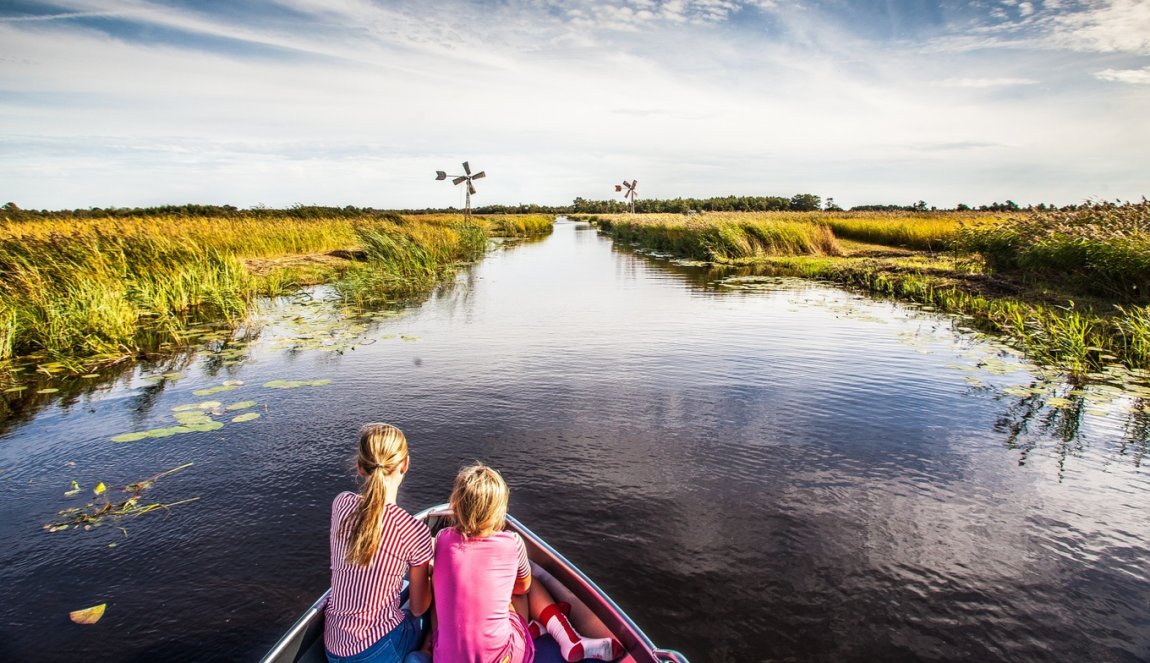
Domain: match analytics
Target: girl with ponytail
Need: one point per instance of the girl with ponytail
(374, 544)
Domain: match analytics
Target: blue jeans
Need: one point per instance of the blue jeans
(391, 648)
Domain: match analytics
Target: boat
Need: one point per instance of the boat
(593, 613)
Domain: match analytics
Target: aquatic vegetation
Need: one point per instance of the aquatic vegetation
(101, 289)
(295, 384)
(1101, 249)
(247, 416)
(517, 225)
(94, 513)
(721, 237)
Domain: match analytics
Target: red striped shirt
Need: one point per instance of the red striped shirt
(364, 603)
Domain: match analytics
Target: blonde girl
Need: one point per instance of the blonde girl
(483, 590)
(374, 543)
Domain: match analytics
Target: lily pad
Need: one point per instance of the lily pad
(247, 416)
(295, 384)
(215, 390)
(206, 405)
(409, 339)
(205, 427)
(242, 405)
(88, 615)
(131, 437)
(1059, 402)
(173, 375)
(192, 418)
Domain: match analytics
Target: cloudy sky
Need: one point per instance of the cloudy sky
(337, 102)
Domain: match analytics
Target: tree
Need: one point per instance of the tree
(806, 202)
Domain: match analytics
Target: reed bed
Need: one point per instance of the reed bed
(102, 289)
(1101, 249)
(924, 231)
(1077, 338)
(497, 225)
(722, 237)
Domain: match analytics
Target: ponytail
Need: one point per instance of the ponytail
(382, 449)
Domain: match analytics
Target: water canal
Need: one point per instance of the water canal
(755, 469)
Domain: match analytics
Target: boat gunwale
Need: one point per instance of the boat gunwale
(560, 562)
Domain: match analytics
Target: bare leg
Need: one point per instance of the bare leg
(538, 598)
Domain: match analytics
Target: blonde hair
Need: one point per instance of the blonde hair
(479, 500)
(382, 449)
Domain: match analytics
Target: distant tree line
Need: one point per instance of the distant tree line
(803, 202)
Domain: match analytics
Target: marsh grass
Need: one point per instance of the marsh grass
(102, 289)
(1101, 249)
(721, 237)
(932, 232)
(1104, 245)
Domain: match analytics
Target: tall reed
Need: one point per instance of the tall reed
(721, 237)
(1100, 249)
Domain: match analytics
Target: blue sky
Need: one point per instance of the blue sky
(337, 102)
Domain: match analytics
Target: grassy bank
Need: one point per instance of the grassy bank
(1069, 287)
(722, 237)
(99, 289)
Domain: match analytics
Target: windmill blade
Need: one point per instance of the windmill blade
(466, 168)
(478, 176)
(459, 180)
(618, 187)
(470, 187)
(440, 175)
(633, 183)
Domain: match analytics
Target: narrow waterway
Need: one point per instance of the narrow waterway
(755, 469)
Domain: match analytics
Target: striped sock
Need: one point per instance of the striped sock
(573, 646)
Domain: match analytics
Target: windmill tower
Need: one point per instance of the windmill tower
(630, 195)
(460, 179)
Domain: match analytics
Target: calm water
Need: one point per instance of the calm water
(755, 470)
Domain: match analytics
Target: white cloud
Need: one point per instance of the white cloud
(1136, 76)
(378, 97)
(1105, 26)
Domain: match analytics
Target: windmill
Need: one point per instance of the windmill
(630, 195)
(460, 179)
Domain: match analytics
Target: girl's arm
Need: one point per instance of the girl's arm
(420, 598)
(523, 573)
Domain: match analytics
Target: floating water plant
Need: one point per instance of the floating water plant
(242, 405)
(215, 390)
(247, 416)
(92, 514)
(295, 384)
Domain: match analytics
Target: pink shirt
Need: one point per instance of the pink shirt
(473, 579)
(364, 603)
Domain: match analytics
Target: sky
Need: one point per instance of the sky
(358, 102)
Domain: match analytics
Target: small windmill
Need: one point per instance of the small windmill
(460, 179)
(630, 195)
